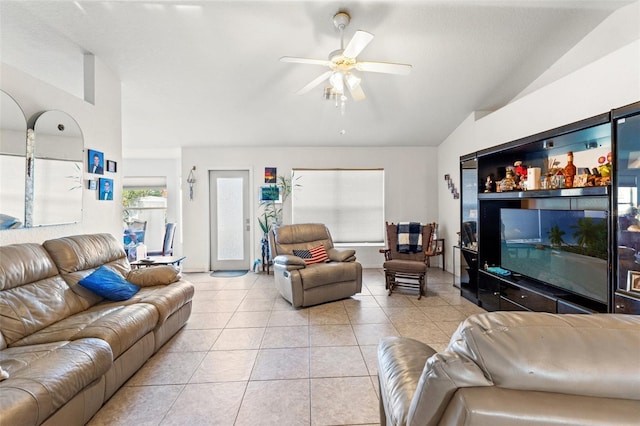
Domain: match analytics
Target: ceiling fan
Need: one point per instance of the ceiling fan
(342, 63)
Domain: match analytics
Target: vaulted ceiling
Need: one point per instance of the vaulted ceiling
(207, 73)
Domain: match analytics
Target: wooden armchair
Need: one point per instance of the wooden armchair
(406, 267)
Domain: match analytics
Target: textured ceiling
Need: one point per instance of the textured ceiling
(207, 73)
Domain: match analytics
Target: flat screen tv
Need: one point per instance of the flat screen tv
(564, 248)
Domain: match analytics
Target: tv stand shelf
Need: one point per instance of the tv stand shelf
(568, 262)
(509, 293)
(592, 191)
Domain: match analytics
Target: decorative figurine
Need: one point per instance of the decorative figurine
(488, 184)
(521, 171)
(508, 183)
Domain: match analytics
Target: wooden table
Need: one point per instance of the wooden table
(157, 261)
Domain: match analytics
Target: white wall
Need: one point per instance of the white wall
(101, 129)
(610, 82)
(410, 187)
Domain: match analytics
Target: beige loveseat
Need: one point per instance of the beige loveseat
(65, 349)
(516, 368)
(305, 284)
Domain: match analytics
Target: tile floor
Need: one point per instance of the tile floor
(246, 357)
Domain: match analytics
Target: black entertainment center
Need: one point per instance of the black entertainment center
(534, 243)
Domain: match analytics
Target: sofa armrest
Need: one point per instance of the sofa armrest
(336, 255)
(290, 261)
(417, 383)
(400, 365)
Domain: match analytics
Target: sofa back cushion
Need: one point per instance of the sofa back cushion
(79, 255)
(32, 293)
(285, 239)
(589, 355)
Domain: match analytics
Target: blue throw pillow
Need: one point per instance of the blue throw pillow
(109, 284)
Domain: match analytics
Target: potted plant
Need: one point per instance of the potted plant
(271, 215)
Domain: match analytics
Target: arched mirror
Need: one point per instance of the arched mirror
(57, 170)
(13, 150)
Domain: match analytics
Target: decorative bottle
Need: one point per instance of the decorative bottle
(569, 171)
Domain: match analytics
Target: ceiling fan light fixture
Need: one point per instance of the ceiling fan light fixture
(337, 81)
(352, 81)
(342, 62)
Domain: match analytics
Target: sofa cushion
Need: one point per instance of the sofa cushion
(157, 275)
(300, 237)
(23, 264)
(406, 266)
(34, 296)
(109, 284)
(514, 350)
(79, 255)
(119, 326)
(167, 299)
(509, 407)
(328, 273)
(44, 377)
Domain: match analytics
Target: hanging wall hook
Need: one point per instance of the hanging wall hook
(191, 180)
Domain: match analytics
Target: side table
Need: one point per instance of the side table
(157, 261)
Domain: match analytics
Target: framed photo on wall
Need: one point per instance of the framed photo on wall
(270, 193)
(270, 174)
(95, 162)
(106, 189)
(633, 281)
(92, 184)
(112, 166)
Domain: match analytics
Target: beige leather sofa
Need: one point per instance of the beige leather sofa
(516, 368)
(65, 349)
(306, 285)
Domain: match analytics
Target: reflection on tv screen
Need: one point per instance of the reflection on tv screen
(564, 248)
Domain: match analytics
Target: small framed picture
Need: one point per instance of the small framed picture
(95, 162)
(633, 281)
(106, 189)
(112, 166)
(270, 175)
(447, 177)
(92, 184)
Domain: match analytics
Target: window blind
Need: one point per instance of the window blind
(349, 201)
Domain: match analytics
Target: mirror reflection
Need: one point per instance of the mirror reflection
(57, 170)
(13, 149)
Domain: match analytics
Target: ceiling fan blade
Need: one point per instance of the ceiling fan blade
(307, 61)
(357, 94)
(384, 67)
(314, 82)
(357, 44)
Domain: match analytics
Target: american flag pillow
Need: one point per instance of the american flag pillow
(313, 255)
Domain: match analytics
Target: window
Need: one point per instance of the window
(144, 211)
(349, 201)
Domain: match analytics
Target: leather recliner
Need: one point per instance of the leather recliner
(305, 284)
